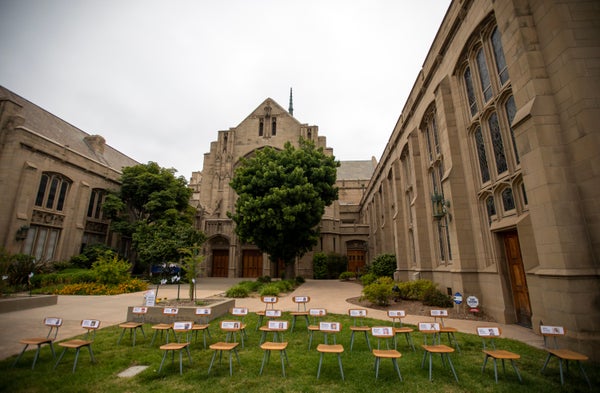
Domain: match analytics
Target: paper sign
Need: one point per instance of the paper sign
(140, 310)
(278, 325)
(239, 311)
(317, 312)
(358, 313)
(382, 331)
(230, 325)
(269, 299)
(396, 313)
(439, 313)
(488, 331)
(202, 311)
(552, 330)
(150, 299)
(90, 323)
(429, 326)
(53, 321)
(170, 311)
(301, 299)
(182, 326)
(329, 327)
(273, 313)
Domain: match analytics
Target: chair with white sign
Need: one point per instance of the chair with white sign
(330, 328)
(358, 316)
(433, 346)
(278, 327)
(488, 334)
(441, 315)
(317, 315)
(301, 310)
(181, 331)
(551, 334)
(90, 325)
(269, 302)
(163, 327)
(385, 333)
(398, 315)
(203, 323)
(138, 314)
(231, 328)
(53, 324)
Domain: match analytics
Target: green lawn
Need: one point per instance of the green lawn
(301, 372)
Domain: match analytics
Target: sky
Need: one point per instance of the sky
(159, 79)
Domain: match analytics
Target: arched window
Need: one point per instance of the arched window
(497, 144)
(484, 75)
(484, 169)
(52, 191)
(470, 91)
(499, 56)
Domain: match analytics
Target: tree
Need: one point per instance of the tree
(152, 207)
(282, 196)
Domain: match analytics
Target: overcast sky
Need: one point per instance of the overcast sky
(158, 79)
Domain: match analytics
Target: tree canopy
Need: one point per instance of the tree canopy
(152, 207)
(282, 196)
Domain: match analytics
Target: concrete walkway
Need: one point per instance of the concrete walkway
(112, 310)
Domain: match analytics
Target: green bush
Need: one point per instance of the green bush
(346, 276)
(414, 290)
(384, 265)
(89, 255)
(320, 266)
(264, 279)
(237, 291)
(109, 269)
(329, 266)
(250, 286)
(434, 297)
(367, 279)
(68, 276)
(270, 290)
(299, 280)
(379, 292)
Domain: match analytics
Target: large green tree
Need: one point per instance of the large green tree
(152, 207)
(282, 195)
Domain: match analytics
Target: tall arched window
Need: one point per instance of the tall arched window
(52, 191)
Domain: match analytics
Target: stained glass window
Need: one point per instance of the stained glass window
(484, 75)
(511, 110)
(497, 144)
(483, 164)
(52, 192)
(499, 55)
(470, 91)
(491, 207)
(508, 201)
(436, 138)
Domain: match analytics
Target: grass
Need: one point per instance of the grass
(301, 371)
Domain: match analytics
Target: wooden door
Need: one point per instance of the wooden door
(518, 280)
(252, 263)
(220, 263)
(356, 260)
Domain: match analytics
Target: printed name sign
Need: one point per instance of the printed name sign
(140, 310)
(90, 323)
(202, 311)
(488, 331)
(53, 321)
(317, 312)
(358, 313)
(170, 311)
(552, 330)
(381, 331)
(429, 326)
(273, 313)
(182, 326)
(439, 313)
(231, 325)
(269, 299)
(239, 311)
(329, 327)
(301, 299)
(278, 325)
(396, 313)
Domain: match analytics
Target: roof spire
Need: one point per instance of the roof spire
(291, 107)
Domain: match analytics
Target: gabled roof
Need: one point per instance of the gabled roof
(47, 125)
(275, 108)
(356, 170)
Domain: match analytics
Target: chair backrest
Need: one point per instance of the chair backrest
(396, 315)
(301, 301)
(269, 301)
(139, 313)
(90, 325)
(552, 332)
(170, 311)
(439, 314)
(239, 311)
(204, 313)
(430, 328)
(272, 313)
(382, 332)
(330, 327)
(53, 324)
(488, 333)
(358, 315)
(278, 325)
(181, 327)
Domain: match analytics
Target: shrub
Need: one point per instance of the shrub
(414, 290)
(264, 279)
(250, 286)
(320, 266)
(379, 292)
(434, 297)
(328, 266)
(384, 265)
(109, 269)
(96, 288)
(270, 290)
(237, 291)
(299, 280)
(368, 279)
(345, 276)
(89, 255)
(69, 276)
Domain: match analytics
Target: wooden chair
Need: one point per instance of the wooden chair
(277, 327)
(179, 329)
(90, 325)
(269, 302)
(203, 324)
(241, 313)
(230, 327)
(301, 310)
(271, 314)
(433, 331)
(488, 334)
(317, 315)
(138, 313)
(53, 324)
(330, 328)
(551, 334)
(386, 334)
(358, 316)
(398, 315)
(441, 314)
(170, 313)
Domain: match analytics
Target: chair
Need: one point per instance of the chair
(385, 333)
(277, 327)
(53, 325)
(358, 316)
(551, 334)
(138, 313)
(269, 302)
(240, 313)
(271, 314)
(90, 325)
(441, 314)
(170, 313)
(398, 315)
(179, 328)
(229, 327)
(433, 330)
(203, 324)
(317, 314)
(301, 311)
(330, 328)
(488, 334)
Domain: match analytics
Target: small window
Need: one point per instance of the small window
(95, 205)
(484, 75)
(274, 126)
(470, 91)
(508, 201)
(497, 144)
(481, 155)
(261, 127)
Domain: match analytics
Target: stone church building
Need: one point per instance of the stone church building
(271, 125)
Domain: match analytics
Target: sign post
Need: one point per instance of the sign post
(458, 299)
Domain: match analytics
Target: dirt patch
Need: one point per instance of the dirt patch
(418, 308)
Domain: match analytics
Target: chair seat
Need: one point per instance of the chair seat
(314, 328)
(438, 348)
(75, 343)
(274, 346)
(162, 326)
(200, 326)
(173, 346)
(403, 330)
(360, 328)
(567, 354)
(223, 346)
(448, 330)
(501, 354)
(36, 341)
(330, 348)
(387, 353)
(298, 313)
(131, 325)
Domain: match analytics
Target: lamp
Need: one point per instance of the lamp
(440, 205)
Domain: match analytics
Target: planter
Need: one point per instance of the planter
(155, 314)
(17, 303)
